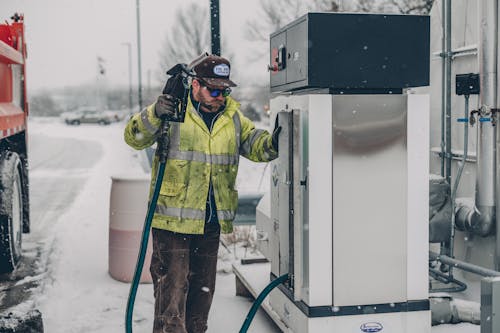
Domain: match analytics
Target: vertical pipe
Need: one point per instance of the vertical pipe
(215, 26)
(480, 219)
(458, 176)
(448, 90)
(443, 86)
(497, 189)
(139, 69)
(446, 111)
(486, 149)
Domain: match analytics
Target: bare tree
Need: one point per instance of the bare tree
(409, 6)
(43, 104)
(189, 37)
(275, 14)
(367, 6)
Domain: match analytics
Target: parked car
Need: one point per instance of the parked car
(89, 116)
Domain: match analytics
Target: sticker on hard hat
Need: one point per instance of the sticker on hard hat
(371, 327)
(221, 70)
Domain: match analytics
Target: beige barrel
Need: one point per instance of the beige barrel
(127, 212)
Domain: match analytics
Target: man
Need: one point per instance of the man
(198, 198)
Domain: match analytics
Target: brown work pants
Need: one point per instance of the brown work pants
(183, 268)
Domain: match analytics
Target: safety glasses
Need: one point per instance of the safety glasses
(214, 92)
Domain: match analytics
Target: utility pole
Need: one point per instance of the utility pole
(139, 92)
(129, 46)
(215, 26)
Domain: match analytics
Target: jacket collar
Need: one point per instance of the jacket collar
(231, 108)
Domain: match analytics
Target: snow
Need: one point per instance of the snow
(78, 295)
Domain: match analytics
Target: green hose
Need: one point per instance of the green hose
(143, 248)
(259, 300)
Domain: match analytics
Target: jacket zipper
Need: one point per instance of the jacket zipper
(211, 183)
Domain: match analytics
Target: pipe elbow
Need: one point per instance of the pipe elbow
(483, 222)
(463, 218)
(480, 222)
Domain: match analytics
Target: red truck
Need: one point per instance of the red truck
(14, 194)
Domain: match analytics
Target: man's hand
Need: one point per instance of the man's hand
(165, 107)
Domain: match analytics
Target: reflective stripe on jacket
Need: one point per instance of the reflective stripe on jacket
(195, 156)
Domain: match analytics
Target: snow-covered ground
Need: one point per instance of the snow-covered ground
(76, 293)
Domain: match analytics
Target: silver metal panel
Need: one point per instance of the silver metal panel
(319, 223)
(281, 181)
(369, 199)
(418, 197)
(301, 199)
(285, 178)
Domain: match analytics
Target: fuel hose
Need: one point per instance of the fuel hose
(258, 301)
(162, 155)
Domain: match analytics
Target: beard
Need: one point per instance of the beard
(211, 105)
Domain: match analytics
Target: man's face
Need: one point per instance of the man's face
(201, 93)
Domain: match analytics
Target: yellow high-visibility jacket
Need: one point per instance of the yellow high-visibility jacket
(195, 157)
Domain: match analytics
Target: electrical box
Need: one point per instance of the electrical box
(467, 84)
(351, 53)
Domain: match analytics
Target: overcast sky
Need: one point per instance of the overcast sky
(65, 37)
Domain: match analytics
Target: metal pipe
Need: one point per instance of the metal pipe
(448, 90)
(459, 51)
(465, 266)
(480, 219)
(446, 278)
(447, 310)
(497, 251)
(458, 156)
(459, 174)
(443, 89)
(466, 50)
(445, 101)
(486, 152)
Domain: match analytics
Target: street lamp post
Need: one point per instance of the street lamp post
(129, 46)
(139, 92)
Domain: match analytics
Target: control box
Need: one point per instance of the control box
(351, 53)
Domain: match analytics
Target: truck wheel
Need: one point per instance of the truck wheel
(75, 122)
(11, 211)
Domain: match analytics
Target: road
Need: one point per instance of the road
(58, 171)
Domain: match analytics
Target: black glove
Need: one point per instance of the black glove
(276, 134)
(165, 107)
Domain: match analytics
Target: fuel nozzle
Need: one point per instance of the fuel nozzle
(177, 86)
